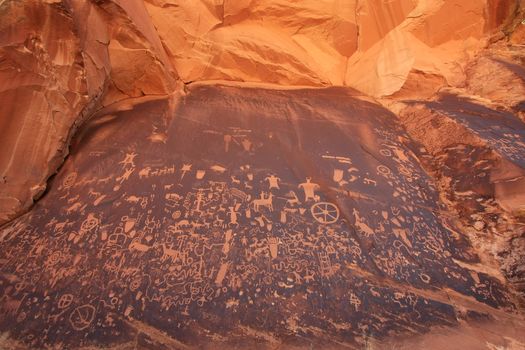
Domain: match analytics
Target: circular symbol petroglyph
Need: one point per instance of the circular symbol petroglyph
(90, 223)
(65, 300)
(383, 170)
(53, 259)
(325, 213)
(82, 317)
(424, 277)
(385, 152)
(176, 214)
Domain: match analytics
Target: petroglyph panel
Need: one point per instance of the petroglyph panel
(257, 218)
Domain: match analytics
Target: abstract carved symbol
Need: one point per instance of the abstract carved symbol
(135, 284)
(90, 223)
(82, 317)
(69, 180)
(383, 170)
(325, 213)
(64, 301)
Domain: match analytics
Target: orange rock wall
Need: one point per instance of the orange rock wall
(60, 60)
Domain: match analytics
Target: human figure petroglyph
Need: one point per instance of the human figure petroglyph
(309, 189)
(129, 160)
(125, 176)
(273, 181)
(233, 216)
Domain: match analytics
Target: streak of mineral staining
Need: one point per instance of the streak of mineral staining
(250, 218)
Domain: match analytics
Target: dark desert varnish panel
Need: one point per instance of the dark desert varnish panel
(248, 218)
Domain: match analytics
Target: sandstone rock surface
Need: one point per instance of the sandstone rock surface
(262, 173)
(61, 60)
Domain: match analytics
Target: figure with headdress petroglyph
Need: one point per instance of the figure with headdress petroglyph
(309, 189)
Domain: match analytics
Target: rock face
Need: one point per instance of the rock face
(326, 42)
(61, 60)
(262, 174)
(246, 225)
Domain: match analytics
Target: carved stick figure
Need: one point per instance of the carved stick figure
(126, 175)
(129, 160)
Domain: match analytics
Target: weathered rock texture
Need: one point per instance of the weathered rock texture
(192, 214)
(327, 42)
(59, 61)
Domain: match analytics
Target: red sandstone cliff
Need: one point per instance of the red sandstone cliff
(446, 78)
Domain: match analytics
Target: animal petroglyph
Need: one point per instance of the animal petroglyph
(264, 201)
